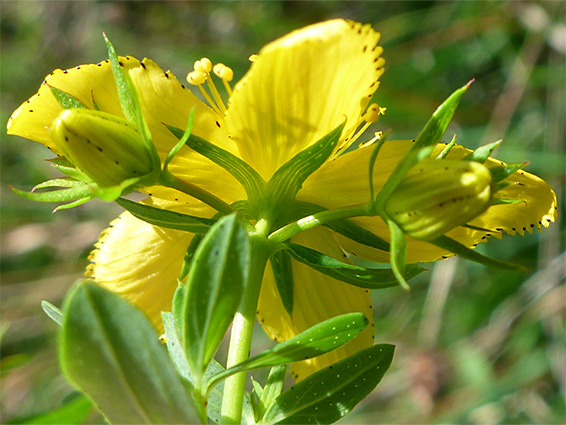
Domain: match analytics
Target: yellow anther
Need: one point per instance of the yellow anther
(162, 338)
(203, 65)
(253, 57)
(224, 72)
(373, 112)
(196, 78)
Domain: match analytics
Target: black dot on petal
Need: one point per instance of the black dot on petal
(121, 63)
(65, 71)
(31, 110)
(142, 65)
(166, 75)
(217, 124)
(98, 64)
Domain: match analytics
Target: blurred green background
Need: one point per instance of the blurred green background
(474, 345)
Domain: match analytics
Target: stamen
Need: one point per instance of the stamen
(226, 74)
(377, 136)
(197, 78)
(204, 65)
(216, 95)
(369, 117)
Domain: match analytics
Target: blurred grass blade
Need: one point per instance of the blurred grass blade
(53, 312)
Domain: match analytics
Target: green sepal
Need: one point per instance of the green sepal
(63, 182)
(100, 353)
(189, 254)
(372, 159)
(63, 195)
(52, 312)
(501, 185)
(215, 284)
(66, 100)
(246, 175)
(283, 274)
(130, 103)
(315, 341)
(186, 134)
(75, 410)
(272, 390)
(349, 273)
(166, 218)
(331, 393)
(501, 201)
(427, 138)
(65, 167)
(482, 153)
(447, 149)
(73, 204)
(289, 178)
(503, 171)
(469, 254)
(398, 253)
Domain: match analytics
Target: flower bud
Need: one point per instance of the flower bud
(107, 148)
(438, 195)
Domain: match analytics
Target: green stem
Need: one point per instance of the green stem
(323, 217)
(169, 180)
(243, 325)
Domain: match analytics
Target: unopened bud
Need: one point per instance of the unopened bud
(438, 195)
(107, 148)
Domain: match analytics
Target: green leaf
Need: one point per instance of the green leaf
(166, 218)
(447, 149)
(331, 393)
(181, 141)
(272, 390)
(469, 254)
(349, 273)
(66, 100)
(427, 138)
(63, 195)
(53, 312)
(216, 282)
(315, 341)
(189, 254)
(179, 358)
(283, 274)
(482, 153)
(289, 178)
(110, 351)
(502, 172)
(74, 411)
(246, 175)
(398, 253)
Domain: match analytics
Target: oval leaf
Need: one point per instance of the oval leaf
(331, 393)
(110, 351)
(315, 341)
(217, 279)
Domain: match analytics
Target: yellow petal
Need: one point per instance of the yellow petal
(301, 87)
(141, 262)
(164, 100)
(317, 297)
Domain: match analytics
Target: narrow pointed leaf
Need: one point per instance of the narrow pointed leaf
(181, 141)
(447, 148)
(64, 182)
(166, 218)
(62, 195)
(216, 282)
(472, 255)
(482, 153)
(66, 100)
(331, 393)
(349, 273)
(315, 341)
(427, 138)
(246, 175)
(283, 274)
(502, 172)
(288, 179)
(398, 253)
(273, 388)
(109, 350)
(53, 312)
(189, 254)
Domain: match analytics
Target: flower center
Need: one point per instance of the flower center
(201, 74)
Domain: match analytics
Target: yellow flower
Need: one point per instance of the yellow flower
(298, 89)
